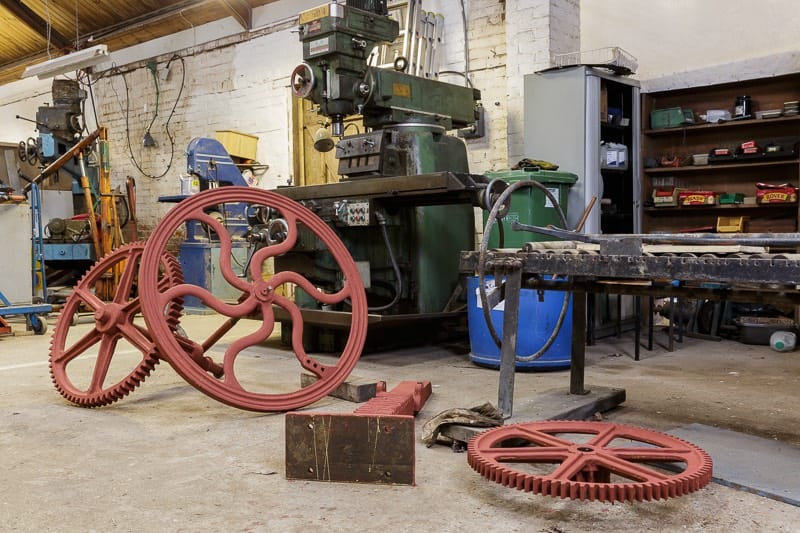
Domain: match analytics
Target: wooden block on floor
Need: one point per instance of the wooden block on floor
(351, 448)
(354, 389)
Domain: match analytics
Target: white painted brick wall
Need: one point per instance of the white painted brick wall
(534, 30)
(242, 84)
(242, 87)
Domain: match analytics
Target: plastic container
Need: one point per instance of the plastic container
(529, 205)
(614, 156)
(783, 341)
(670, 118)
(758, 330)
(536, 322)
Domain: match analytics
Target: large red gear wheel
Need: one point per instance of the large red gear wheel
(606, 462)
(114, 321)
(257, 297)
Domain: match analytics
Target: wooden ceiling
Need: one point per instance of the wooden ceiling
(29, 27)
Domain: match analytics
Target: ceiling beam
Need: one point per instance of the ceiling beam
(36, 23)
(241, 11)
(132, 24)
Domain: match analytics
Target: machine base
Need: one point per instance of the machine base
(326, 331)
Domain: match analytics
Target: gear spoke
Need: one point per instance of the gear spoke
(235, 310)
(104, 355)
(93, 302)
(637, 454)
(258, 294)
(627, 469)
(325, 298)
(79, 347)
(306, 361)
(604, 437)
(570, 468)
(226, 247)
(125, 283)
(585, 469)
(527, 454)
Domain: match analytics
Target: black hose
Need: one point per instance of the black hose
(399, 283)
(499, 204)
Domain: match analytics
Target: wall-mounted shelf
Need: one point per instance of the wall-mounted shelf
(737, 176)
(722, 167)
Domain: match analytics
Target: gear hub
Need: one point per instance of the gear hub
(590, 461)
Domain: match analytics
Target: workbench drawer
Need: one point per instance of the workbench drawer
(68, 252)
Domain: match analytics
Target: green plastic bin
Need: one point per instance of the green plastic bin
(529, 205)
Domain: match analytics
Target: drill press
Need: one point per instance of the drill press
(404, 204)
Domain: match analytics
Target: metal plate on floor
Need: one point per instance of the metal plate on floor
(351, 448)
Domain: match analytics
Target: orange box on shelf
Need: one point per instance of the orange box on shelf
(776, 195)
(697, 198)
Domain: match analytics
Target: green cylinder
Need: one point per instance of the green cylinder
(530, 205)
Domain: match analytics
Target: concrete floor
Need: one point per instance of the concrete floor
(167, 458)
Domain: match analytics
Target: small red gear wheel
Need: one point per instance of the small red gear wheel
(75, 354)
(590, 461)
(245, 381)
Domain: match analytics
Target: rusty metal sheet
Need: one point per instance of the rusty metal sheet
(350, 447)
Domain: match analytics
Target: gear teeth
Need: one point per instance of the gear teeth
(584, 486)
(150, 358)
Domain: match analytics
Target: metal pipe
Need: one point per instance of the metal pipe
(742, 239)
(61, 161)
(87, 195)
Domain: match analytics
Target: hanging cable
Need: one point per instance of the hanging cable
(148, 139)
(126, 112)
(49, 26)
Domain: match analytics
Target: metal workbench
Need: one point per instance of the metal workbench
(756, 278)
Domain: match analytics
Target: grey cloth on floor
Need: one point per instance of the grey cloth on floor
(484, 415)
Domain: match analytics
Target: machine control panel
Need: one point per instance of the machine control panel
(353, 212)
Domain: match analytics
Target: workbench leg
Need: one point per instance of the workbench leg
(590, 320)
(650, 321)
(671, 327)
(578, 364)
(637, 328)
(508, 347)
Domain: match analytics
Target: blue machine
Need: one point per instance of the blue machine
(209, 162)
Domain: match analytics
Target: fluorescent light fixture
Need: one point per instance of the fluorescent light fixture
(68, 63)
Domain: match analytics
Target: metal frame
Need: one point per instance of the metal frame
(757, 280)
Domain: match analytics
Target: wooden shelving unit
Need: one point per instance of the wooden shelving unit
(738, 176)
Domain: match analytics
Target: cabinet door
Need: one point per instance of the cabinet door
(564, 112)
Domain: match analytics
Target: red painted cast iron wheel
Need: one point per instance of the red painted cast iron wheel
(114, 321)
(258, 296)
(589, 461)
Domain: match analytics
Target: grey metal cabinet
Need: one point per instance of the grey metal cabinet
(580, 118)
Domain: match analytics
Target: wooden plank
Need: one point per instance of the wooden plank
(350, 447)
(688, 248)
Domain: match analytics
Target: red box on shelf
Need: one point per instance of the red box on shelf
(697, 198)
(776, 195)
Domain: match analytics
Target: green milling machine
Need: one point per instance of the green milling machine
(404, 203)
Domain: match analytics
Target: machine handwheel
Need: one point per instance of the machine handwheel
(590, 461)
(114, 321)
(257, 297)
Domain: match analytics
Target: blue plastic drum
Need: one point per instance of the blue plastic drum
(536, 322)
